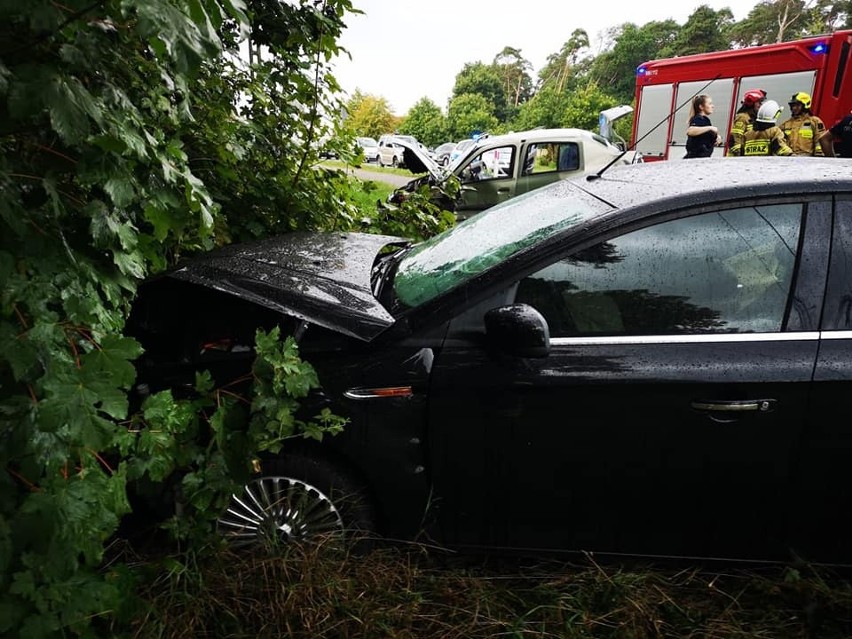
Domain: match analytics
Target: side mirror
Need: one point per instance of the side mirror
(518, 329)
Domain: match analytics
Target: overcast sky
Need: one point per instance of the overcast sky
(403, 50)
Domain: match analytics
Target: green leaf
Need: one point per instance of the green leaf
(131, 264)
(109, 143)
(174, 150)
(104, 225)
(71, 107)
(173, 33)
(121, 190)
(21, 354)
(161, 213)
(127, 135)
(203, 382)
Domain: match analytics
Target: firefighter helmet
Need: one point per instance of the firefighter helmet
(802, 98)
(769, 112)
(753, 97)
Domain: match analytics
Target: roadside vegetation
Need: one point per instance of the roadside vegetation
(133, 135)
(366, 195)
(324, 592)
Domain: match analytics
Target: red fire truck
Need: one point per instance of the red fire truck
(818, 65)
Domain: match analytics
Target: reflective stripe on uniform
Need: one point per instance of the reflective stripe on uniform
(756, 147)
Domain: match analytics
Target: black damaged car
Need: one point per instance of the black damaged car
(652, 361)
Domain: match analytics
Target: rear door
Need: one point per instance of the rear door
(548, 161)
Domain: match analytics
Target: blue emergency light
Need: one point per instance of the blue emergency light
(819, 47)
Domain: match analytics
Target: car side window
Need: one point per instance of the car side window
(547, 157)
(490, 164)
(728, 271)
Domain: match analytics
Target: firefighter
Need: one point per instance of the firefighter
(744, 121)
(803, 129)
(766, 138)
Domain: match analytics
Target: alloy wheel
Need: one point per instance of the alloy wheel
(278, 510)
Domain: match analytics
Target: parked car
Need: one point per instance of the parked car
(369, 147)
(649, 361)
(459, 149)
(497, 168)
(391, 151)
(441, 154)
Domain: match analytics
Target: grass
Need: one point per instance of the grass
(369, 166)
(324, 591)
(365, 194)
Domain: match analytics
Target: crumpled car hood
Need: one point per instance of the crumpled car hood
(418, 161)
(323, 278)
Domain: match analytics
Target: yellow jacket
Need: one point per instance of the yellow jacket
(769, 141)
(802, 133)
(743, 123)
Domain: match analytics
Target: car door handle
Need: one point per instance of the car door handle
(734, 406)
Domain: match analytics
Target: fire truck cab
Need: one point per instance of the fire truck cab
(665, 88)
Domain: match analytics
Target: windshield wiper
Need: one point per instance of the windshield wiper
(381, 267)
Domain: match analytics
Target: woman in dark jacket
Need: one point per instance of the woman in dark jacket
(702, 136)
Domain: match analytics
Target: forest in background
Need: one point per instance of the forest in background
(574, 85)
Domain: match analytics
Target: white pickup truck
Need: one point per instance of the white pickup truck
(497, 168)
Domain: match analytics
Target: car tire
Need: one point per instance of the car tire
(298, 497)
(395, 162)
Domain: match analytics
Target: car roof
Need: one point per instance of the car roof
(534, 135)
(625, 186)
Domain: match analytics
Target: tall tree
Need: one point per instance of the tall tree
(514, 71)
(469, 113)
(558, 67)
(369, 115)
(705, 30)
(584, 106)
(545, 109)
(484, 80)
(425, 122)
(773, 21)
(828, 15)
(631, 46)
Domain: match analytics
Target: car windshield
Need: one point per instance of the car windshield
(459, 150)
(367, 142)
(449, 259)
